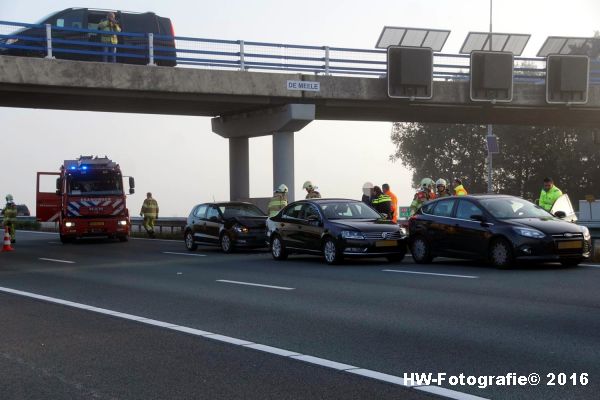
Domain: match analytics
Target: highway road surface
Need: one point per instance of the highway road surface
(148, 320)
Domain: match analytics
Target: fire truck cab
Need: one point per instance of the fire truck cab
(89, 200)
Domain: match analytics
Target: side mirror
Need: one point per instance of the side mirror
(560, 214)
(131, 190)
(58, 185)
(131, 184)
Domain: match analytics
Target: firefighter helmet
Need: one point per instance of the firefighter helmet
(9, 198)
(308, 185)
(282, 189)
(441, 182)
(426, 182)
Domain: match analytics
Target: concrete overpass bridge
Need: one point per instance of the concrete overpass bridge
(247, 104)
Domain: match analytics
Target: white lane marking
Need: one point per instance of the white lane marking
(396, 380)
(156, 240)
(324, 363)
(39, 232)
(431, 273)
(255, 284)
(590, 265)
(184, 254)
(57, 261)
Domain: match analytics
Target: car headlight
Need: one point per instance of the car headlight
(122, 223)
(11, 41)
(403, 231)
(69, 224)
(530, 233)
(586, 233)
(240, 229)
(353, 235)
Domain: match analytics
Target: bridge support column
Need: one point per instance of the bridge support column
(281, 122)
(239, 168)
(283, 161)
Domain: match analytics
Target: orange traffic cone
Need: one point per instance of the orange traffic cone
(7, 246)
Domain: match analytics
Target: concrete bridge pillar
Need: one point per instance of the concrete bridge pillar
(283, 161)
(239, 168)
(281, 122)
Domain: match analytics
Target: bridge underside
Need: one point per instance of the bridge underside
(89, 86)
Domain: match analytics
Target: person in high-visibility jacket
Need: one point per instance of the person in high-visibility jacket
(382, 202)
(278, 201)
(10, 217)
(386, 190)
(150, 213)
(311, 190)
(442, 189)
(549, 194)
(423, 195)
(109, 24)
(459, 189)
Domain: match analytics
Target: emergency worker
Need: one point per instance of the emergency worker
(278, 201)
(311, 190)
(10, 217)
(424, 194)
(150, 213)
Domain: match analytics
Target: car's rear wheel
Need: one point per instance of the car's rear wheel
(278, 250)
(227, 244)
(190, 244)
(501, 255)
(331, 252)
(421, 250)
(571, 262)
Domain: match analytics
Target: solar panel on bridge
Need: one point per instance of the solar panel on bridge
(566, 45)
(510, 42)
(412, 37)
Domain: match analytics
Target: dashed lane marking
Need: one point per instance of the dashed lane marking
(56, 261)
(431, 273)
(255, 284)
(184, 254)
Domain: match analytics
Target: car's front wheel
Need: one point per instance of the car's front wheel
(278, 250)
(190, 244)
(227, 244)
(331, 252)
(421, 250)
(501, 255)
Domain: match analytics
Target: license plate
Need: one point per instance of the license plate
(386, 243)
(96, 223)
(570, 245)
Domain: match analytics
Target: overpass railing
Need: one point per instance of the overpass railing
(153, 49)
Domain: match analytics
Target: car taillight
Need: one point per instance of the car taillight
(172, 30)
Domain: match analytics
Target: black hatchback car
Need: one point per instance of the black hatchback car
(334, 228)
(498, 228)
(228, 225)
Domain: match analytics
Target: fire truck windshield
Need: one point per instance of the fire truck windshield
(95, 184)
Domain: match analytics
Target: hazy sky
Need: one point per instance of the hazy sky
(183, 163)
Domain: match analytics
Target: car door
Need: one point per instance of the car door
(213, 223)
(289, 226)
(310, 228)
(441, 229)
(470, 235)
(198, 221)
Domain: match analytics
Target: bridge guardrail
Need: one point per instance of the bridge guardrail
(152, 49)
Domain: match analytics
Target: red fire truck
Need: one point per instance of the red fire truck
(89, 200)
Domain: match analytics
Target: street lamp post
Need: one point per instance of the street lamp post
(490, 130)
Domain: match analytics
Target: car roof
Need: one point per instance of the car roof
(332, 200)
(228, 203)
(480, 196)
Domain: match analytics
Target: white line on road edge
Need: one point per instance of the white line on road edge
(590, 265)
(255, 284)
(184, 254)
(396, 380)
(58, 261)
(431, 273)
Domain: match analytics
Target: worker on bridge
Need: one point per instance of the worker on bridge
(10, 217)
(150, 213)
(110, 24)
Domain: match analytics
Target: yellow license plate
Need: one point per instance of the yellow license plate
(570, 245)
(96, 223)
(386, 243)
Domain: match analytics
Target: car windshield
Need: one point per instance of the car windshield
(511, 207)
(96, 184)
(349, 210)
(240, 210)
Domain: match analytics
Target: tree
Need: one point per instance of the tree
(528, 154)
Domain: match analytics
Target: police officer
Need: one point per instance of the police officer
(10, 217)
(278, 201)
(311, 190)
(150, 213)
(442, 188)
(367, 193)
(382, 202)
